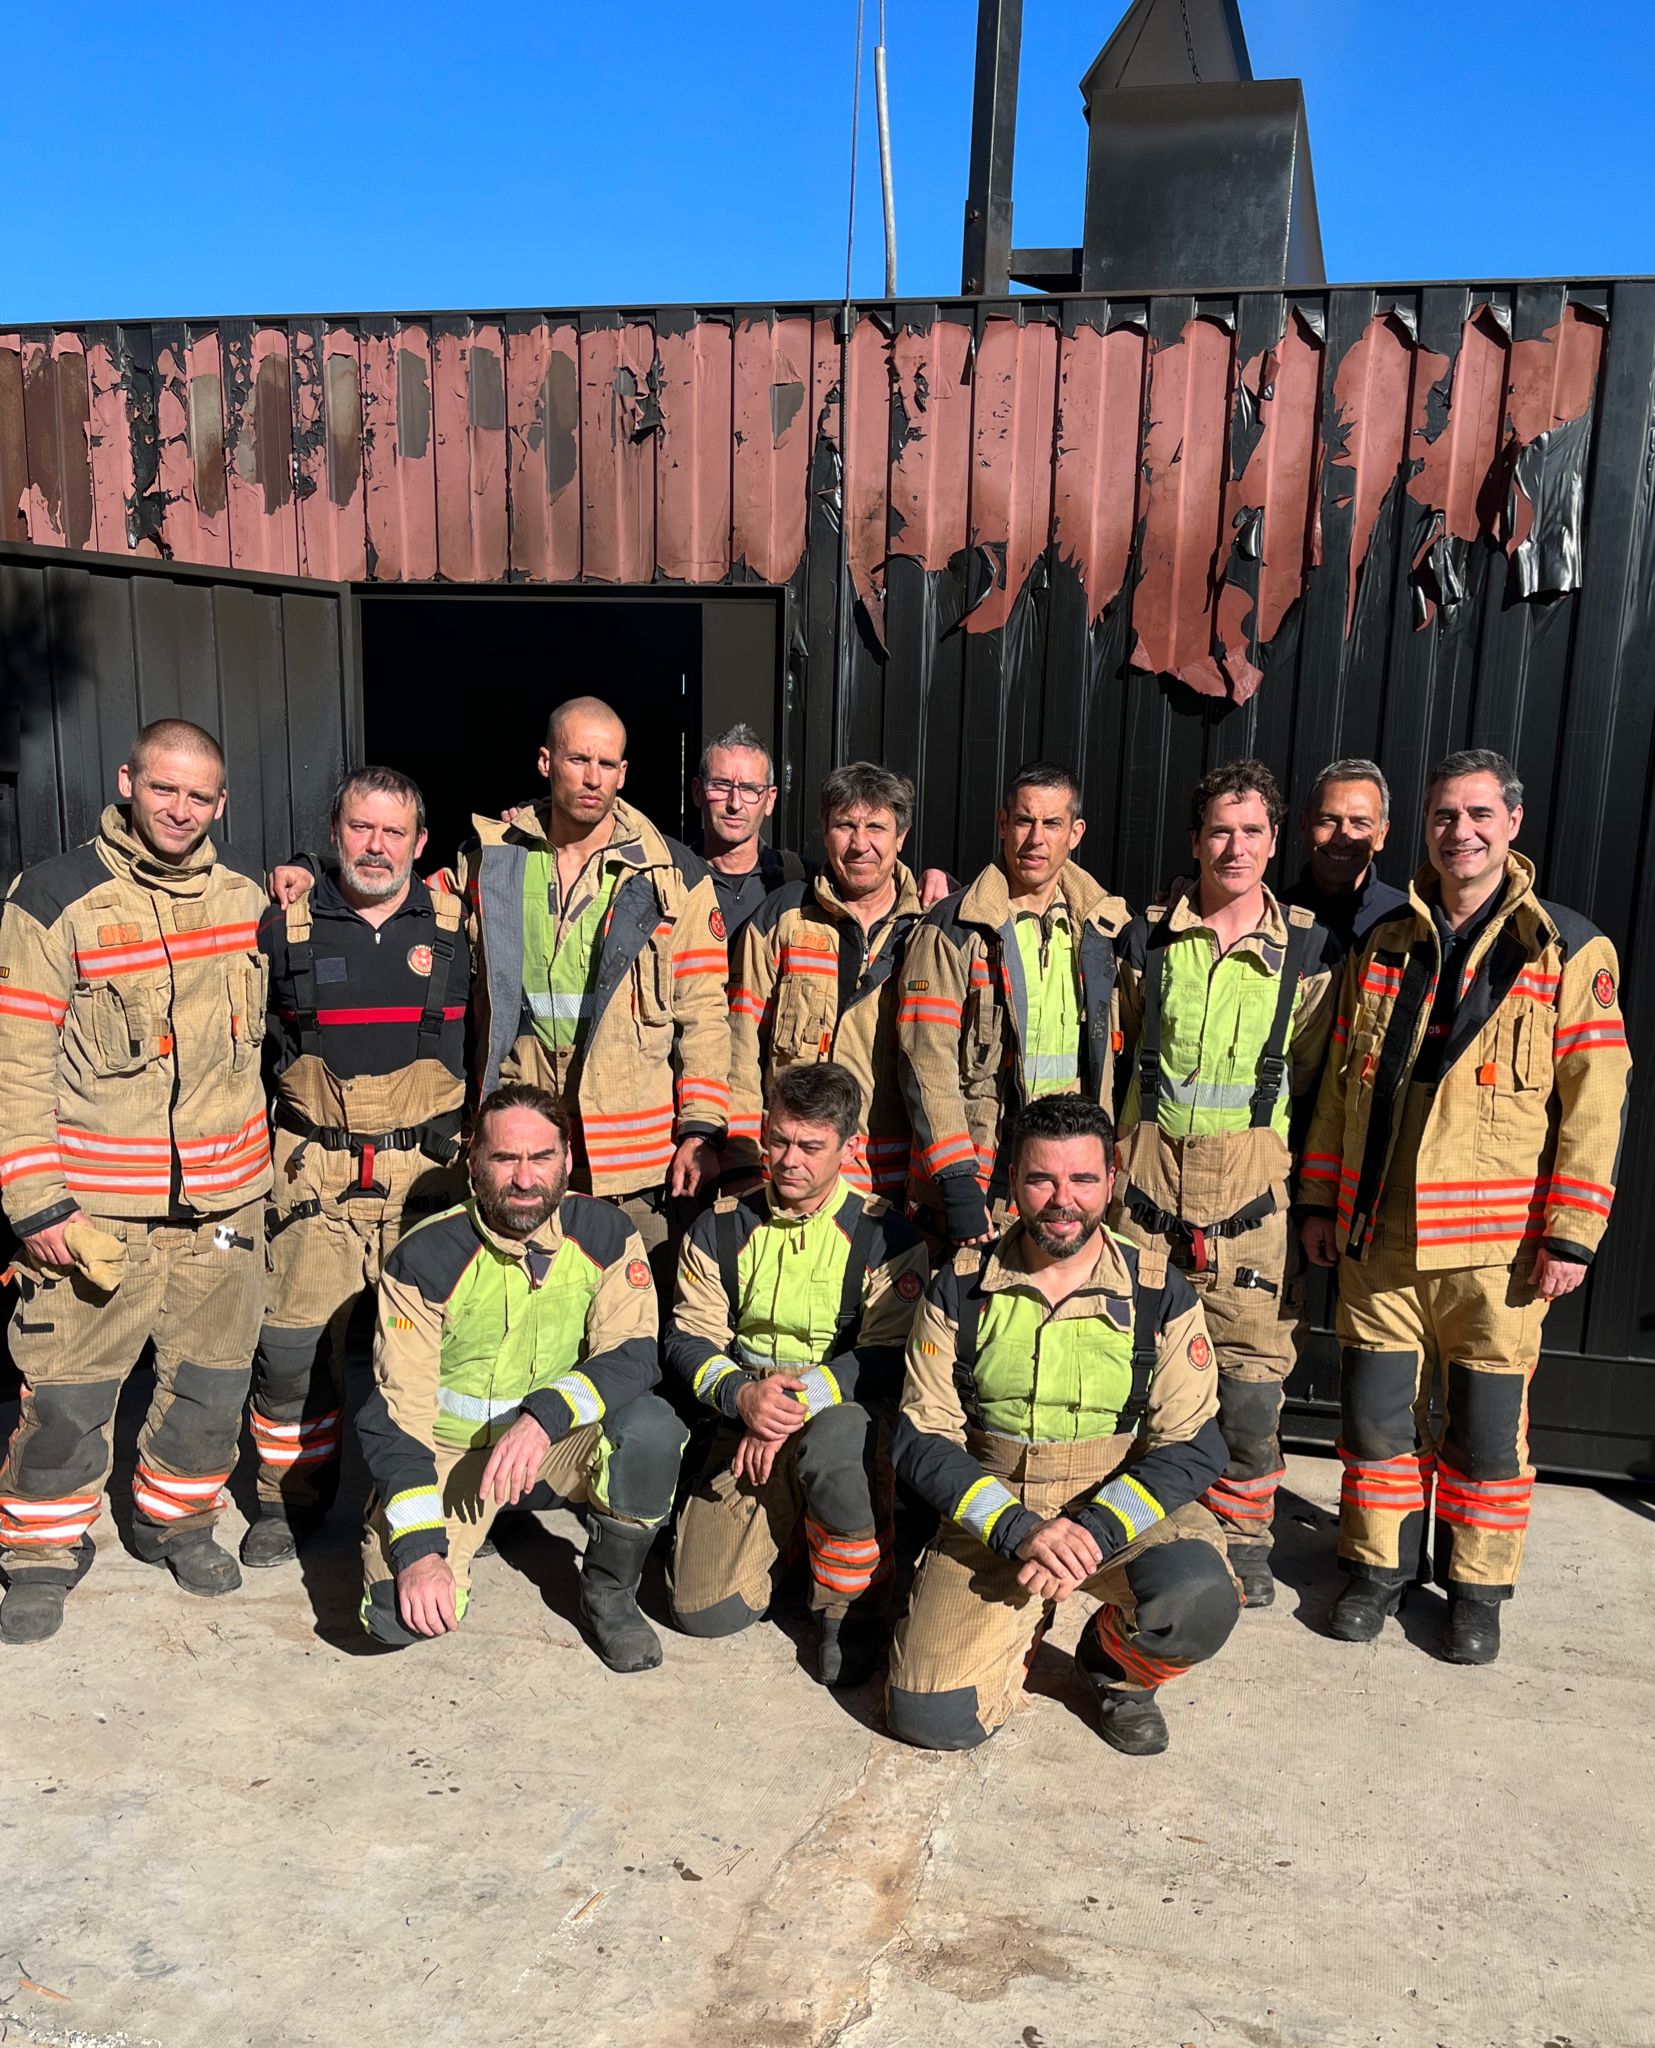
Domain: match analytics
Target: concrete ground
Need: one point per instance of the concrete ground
(229, 1823)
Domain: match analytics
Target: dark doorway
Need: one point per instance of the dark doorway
(456, 689)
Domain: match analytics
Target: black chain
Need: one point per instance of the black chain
(1189, 40)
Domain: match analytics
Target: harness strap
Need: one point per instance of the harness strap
(849, 1326)
(301, 967)
(965, 1346)
(1272, 1060)
(444, 943)
(1151, 1081)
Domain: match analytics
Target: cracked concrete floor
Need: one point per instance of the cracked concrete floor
(222, 1824)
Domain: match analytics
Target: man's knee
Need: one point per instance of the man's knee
(835, 1466)
(1248, 1411)
(381, 1619)
(284, 1364)
(1186, 1600)
(1376, 1399)
(1484, 1423)
(726, 1617)
(935, 1720)
(646, 1447)
(64, 1448)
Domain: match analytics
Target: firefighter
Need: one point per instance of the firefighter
(134, 1157)
(816, 977)
(1008, 994)
(366, 1054)
(1460, 1169)
(516, 1347)
(1227, 1006)
(792, 1310)
(734, 788)
(1343, 828)
(1059, 1414)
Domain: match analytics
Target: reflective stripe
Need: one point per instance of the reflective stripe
(1132, 1505)
(416, 1507)
(706, 1389)
(1199, 1094)
(567, 1009)
(474, 1407)
(820, 1390)
(585, 1402)
(1051, 1066)
(982, 1506)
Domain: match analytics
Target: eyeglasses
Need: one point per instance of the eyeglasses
(718, 787)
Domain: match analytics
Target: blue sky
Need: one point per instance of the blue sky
(167, 160)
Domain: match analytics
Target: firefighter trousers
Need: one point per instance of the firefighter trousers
(735, 1539)
(1252, 1306)
(1433, 1394)
(626, 1467)
(326, 1247)
(194, 1285)
(1166, 1601)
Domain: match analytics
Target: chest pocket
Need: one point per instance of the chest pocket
(1532, 1054)
(115, 1026)
(984, 1025)
(652, 985)
(558, 1308)
(807, 993)
(1364, 1057)
(247, 985)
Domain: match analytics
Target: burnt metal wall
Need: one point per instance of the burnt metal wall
(1143, 535)
(90, 650)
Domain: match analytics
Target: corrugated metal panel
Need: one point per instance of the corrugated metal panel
(1141, 535)
(90, 650)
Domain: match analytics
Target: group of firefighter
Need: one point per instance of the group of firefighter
(997, 1200)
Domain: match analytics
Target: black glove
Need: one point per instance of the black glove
(964, 1212)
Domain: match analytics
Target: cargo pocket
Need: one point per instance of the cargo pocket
(248, 988)
(803, 1017)
(114, 1025)
(981, 1046)
(652, 996)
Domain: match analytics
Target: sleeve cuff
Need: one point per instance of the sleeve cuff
(1104, 1530)
(548, 1407)
(1561, 1248)
(43, 1219)
(407, 1550)
(1011, 1530)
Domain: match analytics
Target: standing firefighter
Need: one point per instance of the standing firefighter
(368, 982)
(793, 1307)
(1059, 1414)
(1460, 1168)
(1227, 1006)
(516, 1348)
(134, 1155)
(1008, 994)
(817, 972)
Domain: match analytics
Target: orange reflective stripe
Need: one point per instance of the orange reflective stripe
(34, 1004)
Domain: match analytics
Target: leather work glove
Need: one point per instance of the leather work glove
(964, 1212)
(99, 1256)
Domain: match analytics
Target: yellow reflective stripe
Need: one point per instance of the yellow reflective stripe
(820, 1390)
(706, 1389)
(1133, 1505)
(416, 1507)
(585, 1402)
(982, 1505)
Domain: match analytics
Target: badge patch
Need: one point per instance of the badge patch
(399, 1322)
(1603, 987)
(419, 960)
(716, 925)
(637, 1273)
(1200, 1353)
(908, 1285)
(916, 988)
(118, 935)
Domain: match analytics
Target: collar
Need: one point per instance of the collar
(329, 901)
(1342, 904)
(833, 1207)
(1268, 940)
(906, 904)
(1004, 1270)
(988, 900)
(544, 1244)
(126, 852)
(1424, 896)
(634, 841)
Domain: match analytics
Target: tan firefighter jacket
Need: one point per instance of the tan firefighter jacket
(1124, 1361)
(654, 1066)
(807, 985)
(132, 1014)
(1522, 1139)
(963, 1022)
(1229, 1063)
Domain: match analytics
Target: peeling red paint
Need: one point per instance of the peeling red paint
(1186, 450)
(327, 415)
(195, 525)
(468, 410)
(14, 442)
(1380, 394)
(931, 473)
(1100, 413)
(57, 501)
(773, 421)
(399, 468)
(617, 440)
(692, 464)
(1012, 450)
(1454, 468)
(108, 450)
(866, 447)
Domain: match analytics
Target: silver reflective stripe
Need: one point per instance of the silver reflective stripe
(545, 1003)
(1134, 1506)
(1051, 1066)
(761, 1361)
(1199, 1094)
(820, 1390)
(473, 1407)
(420, 1507)
(581, 1396)
(706, 1389)
(983, 1506)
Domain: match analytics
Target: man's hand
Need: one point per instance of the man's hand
(769, 1409)
(934, 885)
(1320, 1237)
(1555, 1277)
(427, 1598)
(755, 1457)
(515, 1461)
(694, 1166)
(511, 815)
(50, 1247)
(1058, 1557)
(287, 884)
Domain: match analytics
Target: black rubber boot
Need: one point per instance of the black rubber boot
(609, 1616)
(32, 1610)
(1360, 1610)
(201, 1566)
(1131, 1722)
(275, 1538)
(1473, 1633)
(848, 1651)
(1251, 1564)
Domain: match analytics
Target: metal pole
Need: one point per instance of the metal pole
(886, 189)
(986, 264)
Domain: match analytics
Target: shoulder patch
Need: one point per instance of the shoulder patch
(1199, 1352)
(599, 1228)
(47, 890)
(717, 926)
(909, 1286)
(1603, 988)
(637, 1272)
